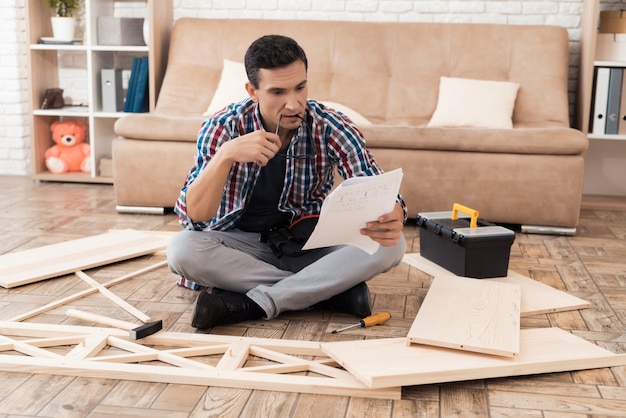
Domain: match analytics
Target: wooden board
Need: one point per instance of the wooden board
(54, 260)
(474, 315)
(537, 298)
(391, 362)
(182, 358)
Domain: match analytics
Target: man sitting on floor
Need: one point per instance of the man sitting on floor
(269, 160)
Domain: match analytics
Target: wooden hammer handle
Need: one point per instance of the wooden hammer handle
(104, 320)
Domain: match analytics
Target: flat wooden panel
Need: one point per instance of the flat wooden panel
(391, 362)
(84, 358)
(48, 261)
(537, 298)
(469, 314)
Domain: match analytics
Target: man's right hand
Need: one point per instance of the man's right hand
(258, 146)
(204, 195)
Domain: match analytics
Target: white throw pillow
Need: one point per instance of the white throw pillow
(474, 103)
(231, 88)
(354, 116)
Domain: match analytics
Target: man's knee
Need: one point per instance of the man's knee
(174, 252)
(183, 247)
(392, 256)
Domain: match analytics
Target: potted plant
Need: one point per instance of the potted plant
(63, 22)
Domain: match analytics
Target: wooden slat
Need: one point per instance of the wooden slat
(54, 260)
(312, 365)
(86, 292)
(235, 356)
(537, 298)
(163, 356)
(80, 361)
(104, 291)
(469, 314)
(28, 349)
(391, 362)
(90, 346)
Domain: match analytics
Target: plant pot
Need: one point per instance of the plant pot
(63, 28)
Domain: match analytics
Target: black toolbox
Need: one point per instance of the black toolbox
(464, 244)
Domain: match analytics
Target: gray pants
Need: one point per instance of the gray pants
(237, 261)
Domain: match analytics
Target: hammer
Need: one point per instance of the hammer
(135, 333)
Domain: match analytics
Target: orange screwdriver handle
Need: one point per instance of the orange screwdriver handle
(379, 318)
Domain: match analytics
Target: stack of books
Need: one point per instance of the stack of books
(137, 94)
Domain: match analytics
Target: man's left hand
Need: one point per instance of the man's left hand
(387, 229)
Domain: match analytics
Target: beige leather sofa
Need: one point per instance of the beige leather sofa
(529, 174)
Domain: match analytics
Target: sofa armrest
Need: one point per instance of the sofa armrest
(150, 126)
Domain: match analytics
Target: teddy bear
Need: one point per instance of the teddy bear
(69, 153)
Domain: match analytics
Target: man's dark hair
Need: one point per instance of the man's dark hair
(272, 51)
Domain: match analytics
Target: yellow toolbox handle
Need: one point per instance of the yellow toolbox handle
(457, 207)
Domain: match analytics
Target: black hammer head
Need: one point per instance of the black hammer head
(145, 330)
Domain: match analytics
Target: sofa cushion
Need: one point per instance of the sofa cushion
(526, 139)
(402, 61)
(231, 88)
(474, 103)
(352, 114)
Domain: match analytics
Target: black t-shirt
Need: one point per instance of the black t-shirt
(262, 211)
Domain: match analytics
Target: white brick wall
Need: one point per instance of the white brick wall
(14, 112)
(14, 107)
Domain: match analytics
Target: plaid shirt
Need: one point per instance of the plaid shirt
(326, 139)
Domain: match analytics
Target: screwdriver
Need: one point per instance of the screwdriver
(379, 318)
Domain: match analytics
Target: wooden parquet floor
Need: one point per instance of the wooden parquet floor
(590, 265)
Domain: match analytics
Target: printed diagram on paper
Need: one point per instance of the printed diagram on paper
(350, 206)
(358, 199)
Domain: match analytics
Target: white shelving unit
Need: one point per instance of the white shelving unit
(44, 73)
(605, 161)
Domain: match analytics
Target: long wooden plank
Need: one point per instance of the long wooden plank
(537, 298)
(391, 362)
(84, 360)
(54, 260)
(473, 315)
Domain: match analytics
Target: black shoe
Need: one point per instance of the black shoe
(354, 301)
(224, 308)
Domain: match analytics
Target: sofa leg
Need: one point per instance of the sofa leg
(549, 230)
(150, 210)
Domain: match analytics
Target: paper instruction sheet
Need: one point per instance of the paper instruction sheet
(350, 206)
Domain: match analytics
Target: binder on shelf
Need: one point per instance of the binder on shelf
(613, 101)
(141, 91)
(600, 100)
(132, 81)
(111, 89)
(621, 123)
(137, 93)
